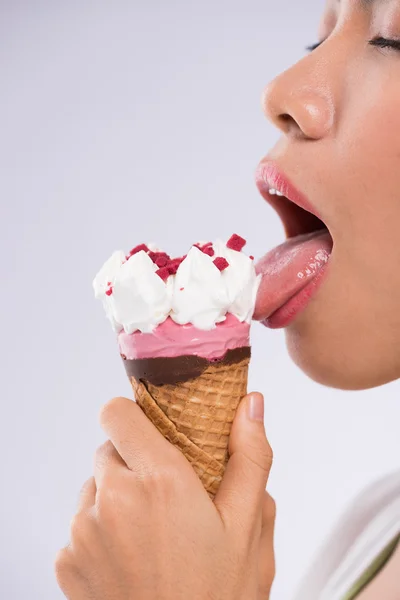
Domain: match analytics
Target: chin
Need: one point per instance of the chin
(336, 360)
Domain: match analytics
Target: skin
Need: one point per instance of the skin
(145, 528)
(386, 583)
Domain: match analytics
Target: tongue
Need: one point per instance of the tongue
(288, 268)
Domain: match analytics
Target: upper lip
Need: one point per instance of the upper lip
(297, 213)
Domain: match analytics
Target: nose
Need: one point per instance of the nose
(300, 101)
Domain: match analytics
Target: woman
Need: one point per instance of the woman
(338, 164)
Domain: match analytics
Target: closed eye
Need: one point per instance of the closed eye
(381, 42)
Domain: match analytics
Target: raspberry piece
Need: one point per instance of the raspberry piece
(206, 248)
(174, 263)
(221, 263)
(109, 291)
(156, 255)
(251, 257)
(173, 267)
(236, 242)
(137, 249)
(163, 273)
(162, 261)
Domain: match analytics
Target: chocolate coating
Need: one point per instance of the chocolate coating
(161, 371)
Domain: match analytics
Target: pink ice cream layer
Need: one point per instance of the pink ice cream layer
(171, 340)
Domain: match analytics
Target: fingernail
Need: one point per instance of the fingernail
(256, 407)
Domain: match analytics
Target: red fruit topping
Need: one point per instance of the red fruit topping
(251, 257)
(173, 267)
(206, 248)
(173, 264)
(181, 289)
(155, 256)
(221, 263)
(236, 242)
(163, 273)
(161, 261)
(137, 249)
(109, 291)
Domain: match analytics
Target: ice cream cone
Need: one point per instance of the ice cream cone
(183, 329)
(196, 415)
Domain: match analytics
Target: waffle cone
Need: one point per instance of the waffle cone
(196, 415)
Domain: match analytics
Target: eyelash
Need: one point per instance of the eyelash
(314, 46)
(379, 42)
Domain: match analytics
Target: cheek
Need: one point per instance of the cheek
(369, 138)
(368, 155)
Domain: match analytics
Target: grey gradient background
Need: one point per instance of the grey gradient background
(126, 121)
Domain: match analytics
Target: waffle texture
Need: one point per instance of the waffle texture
(196, 415)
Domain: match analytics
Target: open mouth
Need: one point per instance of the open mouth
(294, 209)
(292, 271)
(296, 220)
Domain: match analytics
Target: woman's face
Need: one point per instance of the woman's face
(339, 113)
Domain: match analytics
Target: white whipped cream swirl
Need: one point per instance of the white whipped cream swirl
(135, 298)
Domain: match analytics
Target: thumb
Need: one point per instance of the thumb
(246, 475)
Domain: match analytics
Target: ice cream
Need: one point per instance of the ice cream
(170, 340)
(183, 330)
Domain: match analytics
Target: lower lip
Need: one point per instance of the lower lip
(287, 313)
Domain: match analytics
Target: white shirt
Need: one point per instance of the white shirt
(365, 530)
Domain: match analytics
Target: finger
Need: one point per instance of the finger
(268, 514)
(87, 495)
(136, 439)
(266, 553)
(69, 578)
(242, 488)
(107, 461)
